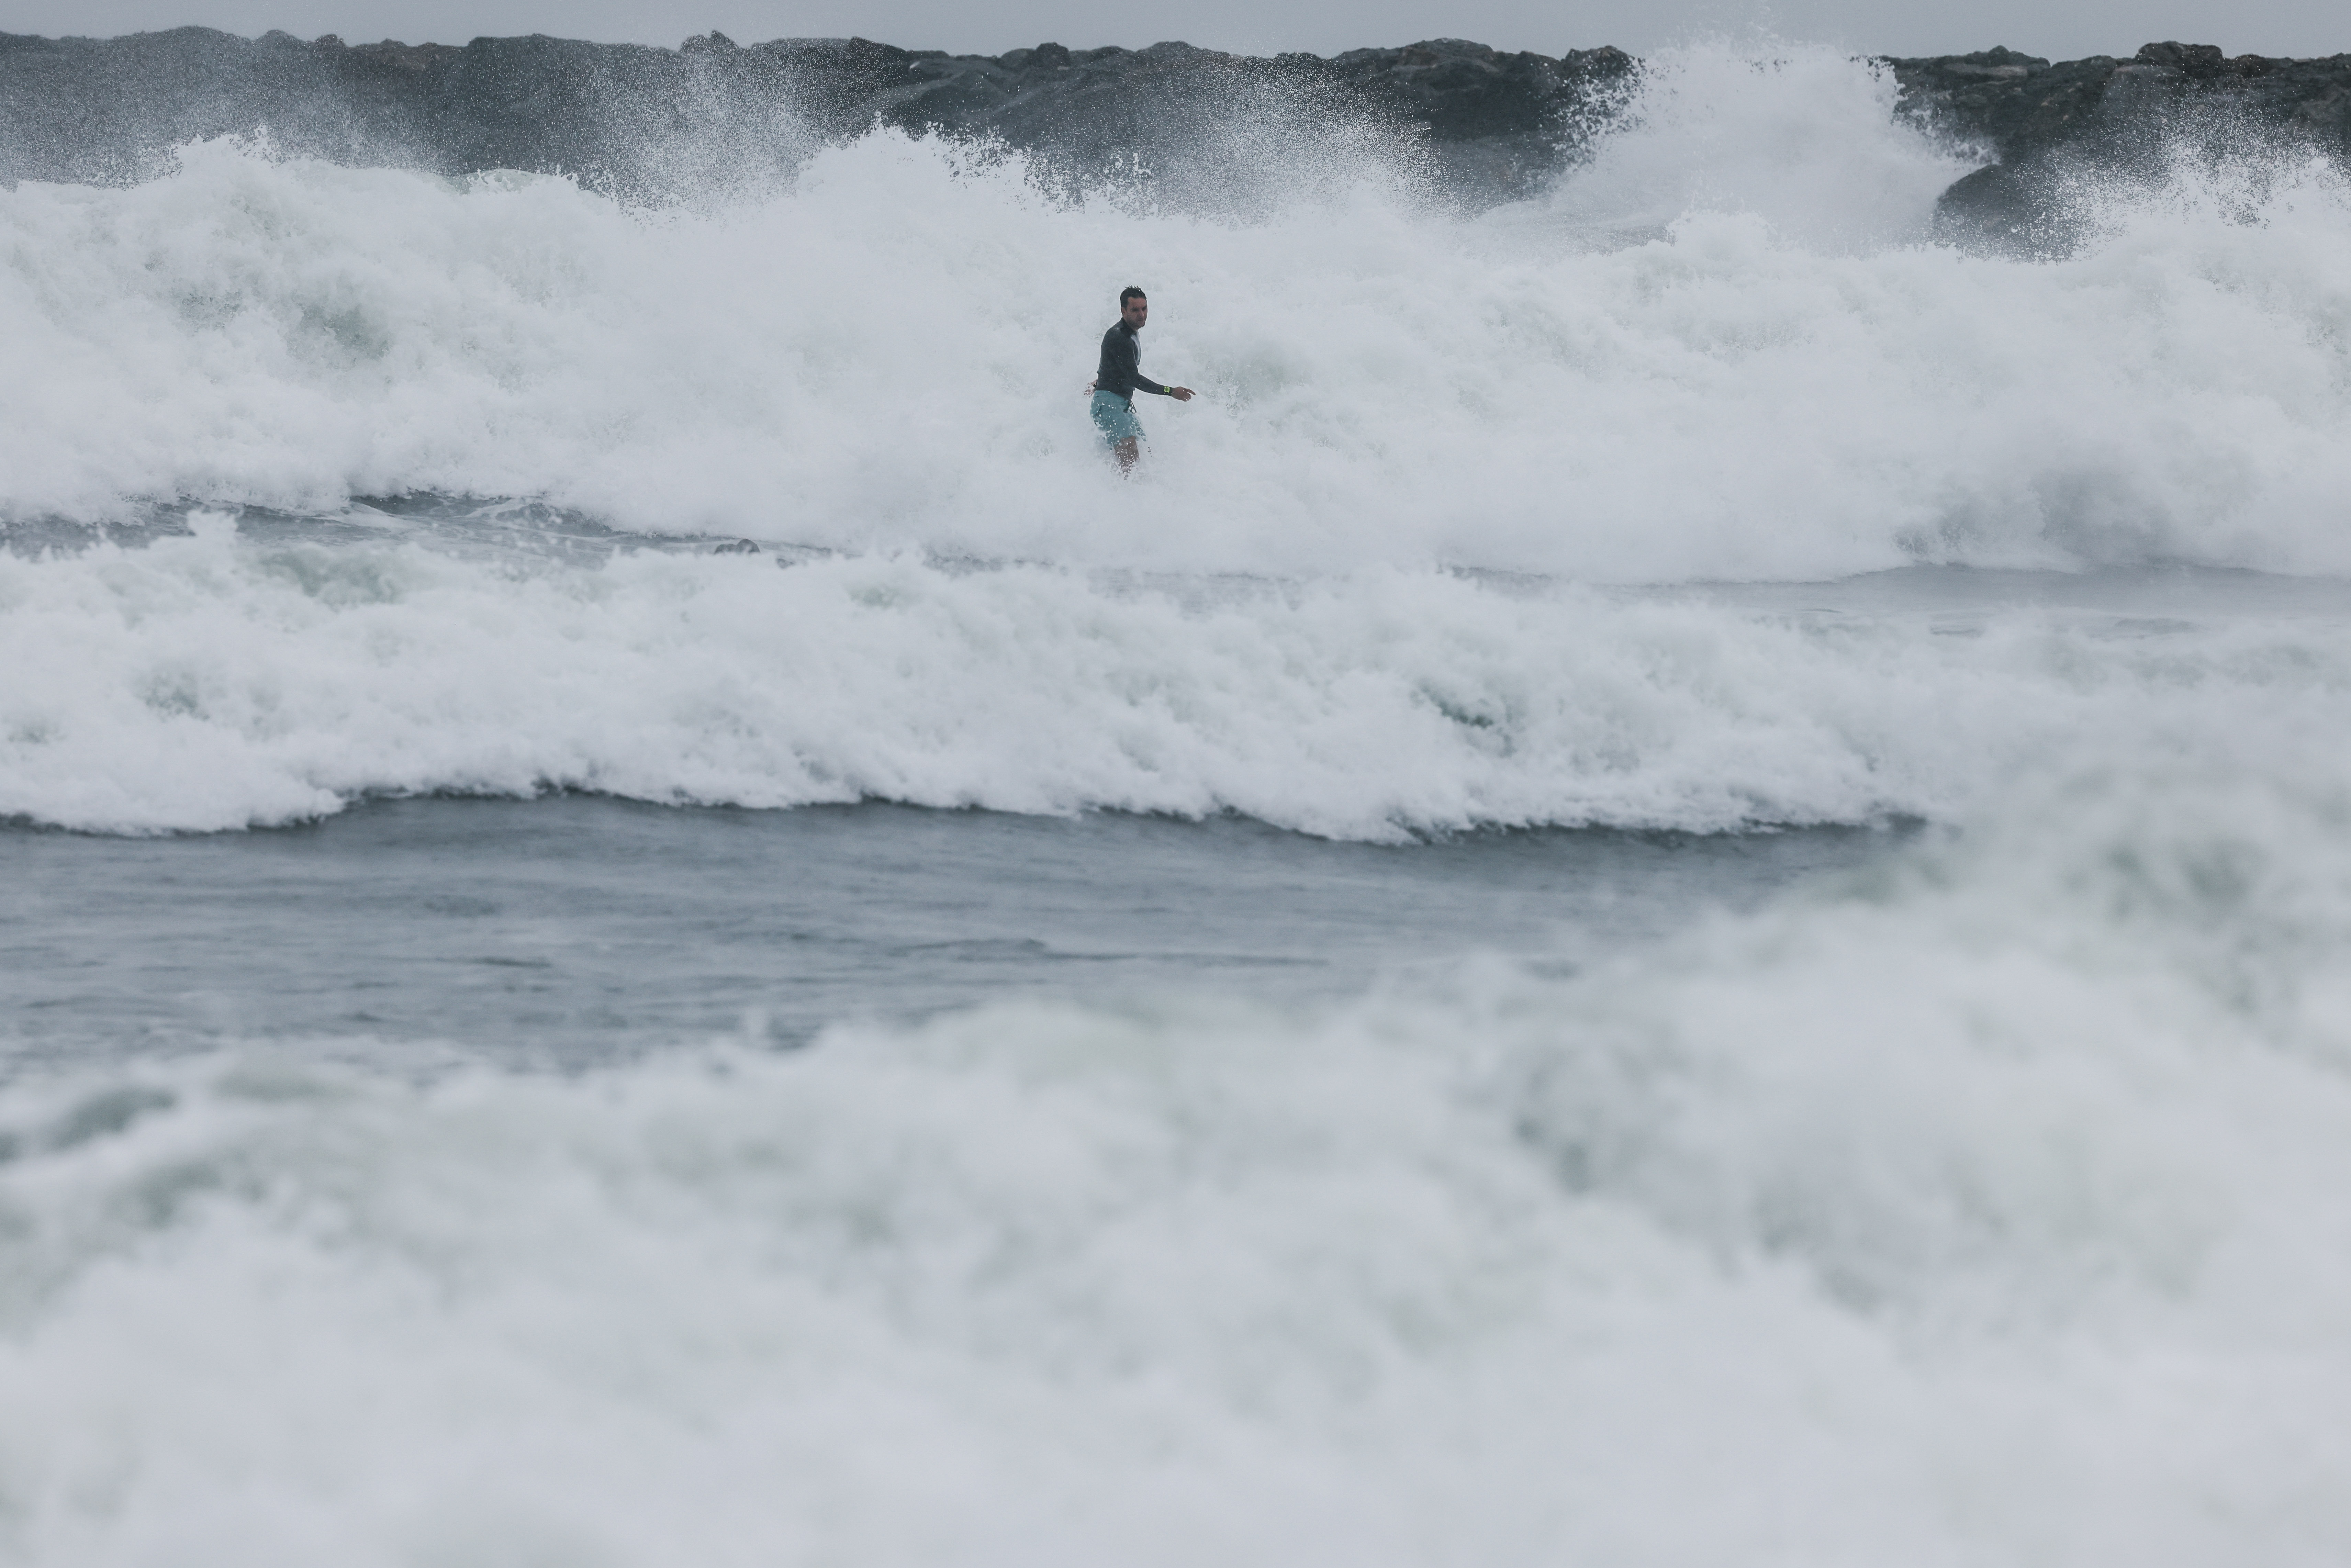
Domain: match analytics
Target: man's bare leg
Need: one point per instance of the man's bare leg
(1127, 453)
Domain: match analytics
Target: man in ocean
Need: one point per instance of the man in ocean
(1114, 384)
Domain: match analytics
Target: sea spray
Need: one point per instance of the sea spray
(1982, 1204)
(1775, 382)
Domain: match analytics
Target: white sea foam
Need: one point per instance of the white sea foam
(1989, 1208)
(1780, 380)
(206, 683)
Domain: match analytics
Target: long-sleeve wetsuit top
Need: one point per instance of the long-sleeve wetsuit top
(1122, 364)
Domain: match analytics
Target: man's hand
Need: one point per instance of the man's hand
(1089, 387)
(1181, 394)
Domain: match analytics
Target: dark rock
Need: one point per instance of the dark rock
(2054, 128)
(2199, 61)
(1174, 123)
(645, 122)
(2007, 100)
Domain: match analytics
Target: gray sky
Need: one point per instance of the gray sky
(2059, 28)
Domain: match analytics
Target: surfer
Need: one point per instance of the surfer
(1114, 386)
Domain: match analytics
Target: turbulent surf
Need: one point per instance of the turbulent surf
(1965, 1187)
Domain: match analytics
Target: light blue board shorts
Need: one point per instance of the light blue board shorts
(1115, 417)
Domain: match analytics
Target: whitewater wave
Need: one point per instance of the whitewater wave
(1719, 350)
(1985, 1206)
(206, 683)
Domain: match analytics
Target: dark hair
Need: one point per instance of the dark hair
(1130, 292)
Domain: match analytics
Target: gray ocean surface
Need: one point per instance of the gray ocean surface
(1671, 889)
(575, 930)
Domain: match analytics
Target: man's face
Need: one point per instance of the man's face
(1136, 311)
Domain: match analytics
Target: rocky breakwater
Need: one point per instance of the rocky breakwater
(2058, 130)
(1193, 128)
(1182, 123)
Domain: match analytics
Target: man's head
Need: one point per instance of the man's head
(1132, 307)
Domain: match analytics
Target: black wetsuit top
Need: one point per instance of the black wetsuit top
(1122, 364)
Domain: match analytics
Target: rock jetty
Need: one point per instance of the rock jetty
(1480, 124)
(2044, 124)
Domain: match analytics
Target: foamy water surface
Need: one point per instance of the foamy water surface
(1727, 942)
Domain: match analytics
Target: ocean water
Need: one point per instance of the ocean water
(1673, 887)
